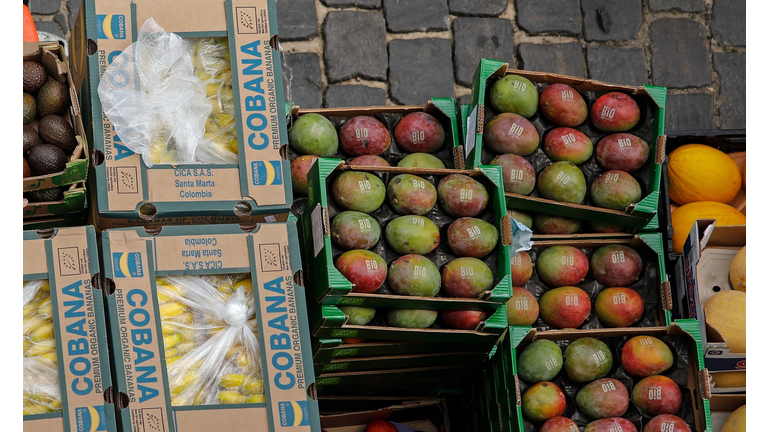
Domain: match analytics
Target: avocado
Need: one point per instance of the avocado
(30, 108)
(46, 159)
(30, 137)
(55, 130)
(46, 195)
(53, 98)
(27, 170)
(35, 76)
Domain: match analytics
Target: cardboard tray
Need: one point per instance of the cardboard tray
(74, 202)
(330, 350)
(639, 216)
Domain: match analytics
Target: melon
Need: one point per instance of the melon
(726, 312)
(729, 379)
(737, 421)
(702, 173)
(683, 218)
(738, 272)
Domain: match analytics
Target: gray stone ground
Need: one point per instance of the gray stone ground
(393, 52)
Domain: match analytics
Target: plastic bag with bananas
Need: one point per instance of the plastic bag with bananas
(211, 339)
(41, 373)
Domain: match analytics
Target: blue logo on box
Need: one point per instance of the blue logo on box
(294, 413)
(269, 173)
(90, 419)
(127, 264)
(110, 26)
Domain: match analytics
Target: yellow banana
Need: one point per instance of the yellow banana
(41, 348)
(253, 387)
(43, 332)
(171, 309)
(171, 340)
(45, 308)
(255, 399)
(230, 397)
(51, 355)
(30, 309)
(33, 323)
(232, 381)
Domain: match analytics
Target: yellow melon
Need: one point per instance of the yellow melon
(683, 218)
(729, 379)
(738, 272)
(737, 421)
(702, 173)
(726, 312)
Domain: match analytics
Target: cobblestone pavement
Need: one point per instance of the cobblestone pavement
(377, 52)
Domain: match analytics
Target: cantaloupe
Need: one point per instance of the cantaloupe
(737, 421)
(729, 379)
(738, 273)
(702, 173)
(726, 312)
(684, 217)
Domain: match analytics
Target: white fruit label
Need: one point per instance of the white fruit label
(467, 272)
(616, 429)
(551, 363)
(517, 260)
(516, 129)
(371, 264)
(521, 86)
(599, 357)
(612, 177)
(654, 393)
(515, 175)
(608, 112)
(572, 300)
(418, 221)
(417, 136)
(419, 184)
(563, 178)
(473, 231)
(608, 386)
(521, 304)
(625, 142)
(420, 271)
(360, 134)
(465, 194)
(668, 426)
(619, 299)
(646, 341)
(567, 260)
(364, 185)
(365, 224)
(317, 129)
(617, 257)
(569, 139)
(567, 94)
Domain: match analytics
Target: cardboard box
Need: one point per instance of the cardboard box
(68, 259)
(52, 56)
(258, 188)
(723, 406)
(74, 201)
(637, 217)
(352, 414)
(269, 254)
(703, 271)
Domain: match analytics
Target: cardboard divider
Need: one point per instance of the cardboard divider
(72, 202)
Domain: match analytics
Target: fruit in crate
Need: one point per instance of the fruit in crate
(522, 268)
(366, 270)
(46, 159)
(313, 134)
(472, 237)
(421, 160)
(462, 320)
(411, 318)
(46, 195)
(460, 195)
(565, 307)
(369, 160)
(737, 421)
(563, 105)
(380, 425)
(358, 191)
(615, 265)
(540, 361)
(562, 181)
(364, 135)
(562, 266)
(738, 271)
(699, 172)
(511, 133)
(53, 129)
(522, 308)
(587, 359)
(27, 171)
(602, 227)
(414, 275)
(603, 398)
(619, 307)
(40, 376)
(666, 423)
(466, 277)
(615, 190)
(567, 144)
(559, 424)
(52, 98)
(34, 76)
(30, 108)
(612, 424)
(657, 394)
(622, 151)
(30, 138)
(419, 132)
(542, 401)
(643, 356)
(299, 170)
(726, 312)
(412, 235)
(355, 230)
(518, 174)
(683, 218)
(550, 224)
(358, 315)
(411, 195)
(522, 217)
(614, 112)
(729, 379)
(514, 94)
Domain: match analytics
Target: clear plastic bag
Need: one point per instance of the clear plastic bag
(211, 342)
(40, 373)
(153, 98)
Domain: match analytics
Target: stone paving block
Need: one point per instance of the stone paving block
(44, 7)
(689, 111)
(420, 69)
(73, 6)
(50, 27)
(732, 69)
(355, 45)
(544, 16)
(307, 83)
(729, 22)
(478, 38)
(296, 20)
(354, 95)
(681, 5)
(617, 65)
(679, 53)
(62, 21)
(563, 58)
(611, 19)
(416, 15)
(477, 7)
(365, 4)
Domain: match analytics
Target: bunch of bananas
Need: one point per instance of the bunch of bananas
(41, 374)
(210, 338)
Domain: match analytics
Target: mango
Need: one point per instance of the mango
(737, 421)
(518, 174)
(358, 315)
(542, 401)
(421, 160)
(614, 112)
(364, 135)
(567, 144)
(587, 359)
(611, 424)
(315, 135)
(657, 394)
(299, 170)
(615, 190)
(666, 423)
(411, 318)
(522, 217)
(562, 266)
(466, 277)
(562, 181)
(414, 275)
(603, 398)
(461, 196)
(462, 320)
(559, 424)
(366, 270)
(358, 191)
(606, 228)
(514, 94)
(726, 312)
(411, 195)
(369, 160)
(419, 132)
(412, 235)
(522, 268)
(565, 307)
(540, 361)
(643, 356)
(522, 308)
(622, 151)
(619, 307)
(511, 133)
(551, 224)
(563, 105)
(471, 237)
(355, 230)
(615, 265)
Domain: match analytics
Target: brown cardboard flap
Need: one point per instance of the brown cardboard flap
(230, 419)
(666, 295)
(577, 83)
(704, 386)
(179, 253)
(184, 15)
(45, 425)
(357, 111)
(480, 119)
(728, 236)
(661, 148)
(458, 157)
(34, 257)
(506, 230)
(518, 399)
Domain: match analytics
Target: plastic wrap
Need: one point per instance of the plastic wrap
(40, 373)
(211, 340)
